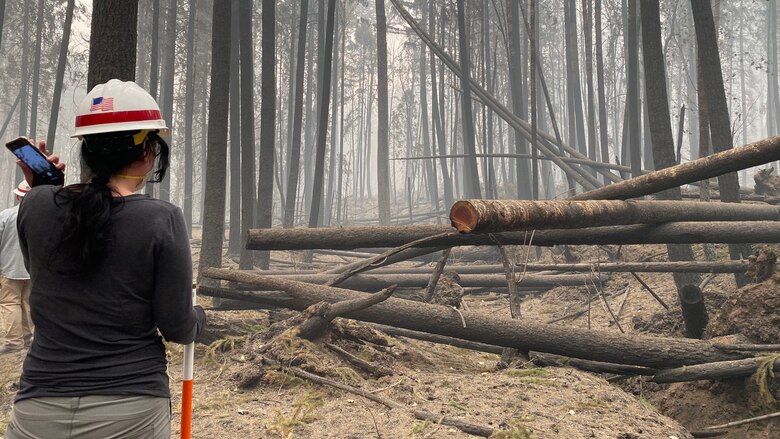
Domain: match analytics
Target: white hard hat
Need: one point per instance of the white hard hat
(118, 106)
(22, 189)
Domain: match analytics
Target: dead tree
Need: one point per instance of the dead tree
(640, 350)
(394, 236)
(482, 216)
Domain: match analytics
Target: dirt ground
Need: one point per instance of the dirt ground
(522, 401)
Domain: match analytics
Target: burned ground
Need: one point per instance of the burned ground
(236, 393)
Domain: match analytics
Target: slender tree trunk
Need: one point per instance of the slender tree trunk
(154, 74)
(438, 125)
(295, 152)
(603, 141)
(430, 168)
(383, 147)
(189, 112)
(168, 73)
(660, 123)
(216, 161)
(61, 63)
(574, 90)
(532, 81)
(587, 24)
(265, 182)
(470, 172)
(234, 86)
(720, 127)
(257, 212)
(335, 134)
(36, 73)
(632, 100)
(25, 83)
(2, 19)
(315, 217)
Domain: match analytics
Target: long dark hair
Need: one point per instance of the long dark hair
(88, 206)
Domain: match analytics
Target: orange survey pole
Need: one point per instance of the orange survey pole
(186, 386)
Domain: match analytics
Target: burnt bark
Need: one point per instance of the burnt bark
(394, 236)
(731, 160)
(112, 41)
(607, 346)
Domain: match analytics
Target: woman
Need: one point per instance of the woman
(110, 268)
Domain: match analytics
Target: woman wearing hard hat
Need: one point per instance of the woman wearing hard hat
(111, 271)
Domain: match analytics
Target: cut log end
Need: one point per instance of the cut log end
(464, 216)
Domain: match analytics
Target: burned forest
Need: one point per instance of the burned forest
(442, 218)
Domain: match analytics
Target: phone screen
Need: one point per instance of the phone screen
(30, 156)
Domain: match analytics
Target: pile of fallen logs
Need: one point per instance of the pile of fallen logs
(602, 216)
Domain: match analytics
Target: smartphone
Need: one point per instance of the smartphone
(43, 171)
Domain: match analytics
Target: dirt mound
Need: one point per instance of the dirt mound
(753, 311)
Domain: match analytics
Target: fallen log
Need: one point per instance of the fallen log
(604, 267)
(544, 360)
(712, 371)
(524, 335)
(483, 216)
(394, 236)
(713, 165)
(367, 282)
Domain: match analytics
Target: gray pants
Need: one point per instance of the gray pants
(91, 417)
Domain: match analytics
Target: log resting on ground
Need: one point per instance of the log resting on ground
(394, 236)
(368, 282)
(482, 216)
(597, 345)
(598, 267)
(713, 371)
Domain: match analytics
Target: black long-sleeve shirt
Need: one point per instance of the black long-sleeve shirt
(96, 331)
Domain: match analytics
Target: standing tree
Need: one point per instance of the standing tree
(189, 110)
(265, 182)
(383, 147)
(315, 218)
(214, 201)
(234, 232)
(470, 173)
(632, 97)
(112, 41)
(522, 168)
(61, 63)
(36, 73)
(288, 219)
(660, 121)
(717, 107)
(167, 79)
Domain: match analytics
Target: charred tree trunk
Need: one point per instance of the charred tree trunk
(521, 334)
(112, 41)
(731, 160)
(265, 176)
(61, 63)
(36, 71)
(720, 127)
(383, 146)
(167, 79)
(214, 201)
(189, 111)
(315, 217)
(234, 147)
(522, 168)
(288, 219)
(470, 173)
(364, 237)
(663, 151)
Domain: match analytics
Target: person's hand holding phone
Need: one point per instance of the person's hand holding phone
(54, 159)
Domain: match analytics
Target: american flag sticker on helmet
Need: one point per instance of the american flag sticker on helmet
(102, 104)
